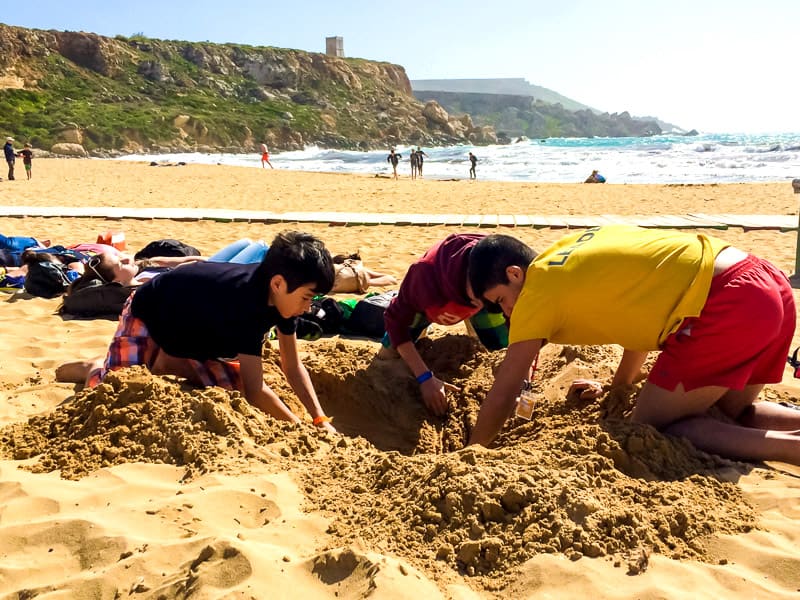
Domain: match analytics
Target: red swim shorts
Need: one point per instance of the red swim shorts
(742, 336)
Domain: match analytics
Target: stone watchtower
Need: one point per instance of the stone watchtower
(334, 46)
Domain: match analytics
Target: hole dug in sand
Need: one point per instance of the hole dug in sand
(576, 480)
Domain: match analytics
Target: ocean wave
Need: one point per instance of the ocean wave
(658, 159)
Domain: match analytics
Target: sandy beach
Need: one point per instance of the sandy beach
(147, 488)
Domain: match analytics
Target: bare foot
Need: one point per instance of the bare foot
(76, 371)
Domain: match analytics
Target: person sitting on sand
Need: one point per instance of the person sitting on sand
(722, 319)
(352, 277)
(595, 177)
(435, 290)
(207, 321)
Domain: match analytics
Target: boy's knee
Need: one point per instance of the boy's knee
(387, 353)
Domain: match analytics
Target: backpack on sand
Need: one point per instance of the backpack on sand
(46, 279)
(96, 300)
(367, 316)
(167, 247)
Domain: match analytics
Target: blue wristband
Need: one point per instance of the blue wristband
(424, 377)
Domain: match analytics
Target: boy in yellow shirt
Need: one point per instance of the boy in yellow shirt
(723, 321)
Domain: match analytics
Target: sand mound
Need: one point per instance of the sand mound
(576, 480)
(136, 417)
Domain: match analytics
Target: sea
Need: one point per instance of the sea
(668, 158)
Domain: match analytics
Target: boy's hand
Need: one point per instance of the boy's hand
(434, 394)
(586, 389)
(327, 426)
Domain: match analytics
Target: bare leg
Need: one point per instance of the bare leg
(736, 441)
(681, 413)
(769, 415)
(77, 371)
(382, 280)
(166, 364)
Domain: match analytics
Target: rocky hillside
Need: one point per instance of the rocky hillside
(81, 92)
(522, 115)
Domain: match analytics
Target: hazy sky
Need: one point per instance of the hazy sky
(712, 65)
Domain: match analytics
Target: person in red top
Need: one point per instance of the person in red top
(435, 290)
(265, 157)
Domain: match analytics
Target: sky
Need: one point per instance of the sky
(718, 66)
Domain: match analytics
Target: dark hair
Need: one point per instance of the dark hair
(490, 258)
(30, 256)
(340, 258)
(301, 259)
(102, 270)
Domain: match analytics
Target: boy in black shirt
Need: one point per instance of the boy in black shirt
(207, 322)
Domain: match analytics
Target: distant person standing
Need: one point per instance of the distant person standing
(420, 159)
(473, 161)
(27, 159)
(393, 159)
(11, 157)
(265, 157)
(414, 160)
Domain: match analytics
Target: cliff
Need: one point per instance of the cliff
(522, 115)
(507, 86)
(84, 91)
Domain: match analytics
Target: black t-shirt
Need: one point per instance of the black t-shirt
(209, 310)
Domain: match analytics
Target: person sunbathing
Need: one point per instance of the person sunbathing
(353, 277)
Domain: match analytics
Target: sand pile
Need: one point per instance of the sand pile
(136, 417)
(576, 480)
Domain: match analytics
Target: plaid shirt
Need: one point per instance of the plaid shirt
(132, 345)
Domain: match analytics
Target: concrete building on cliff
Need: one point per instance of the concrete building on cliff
(334, 46)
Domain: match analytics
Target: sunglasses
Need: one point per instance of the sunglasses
(93, 263)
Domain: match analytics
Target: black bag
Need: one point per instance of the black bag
(46, 279)
(96, 299)
(166, 247)
(367, 317)
(326, 313)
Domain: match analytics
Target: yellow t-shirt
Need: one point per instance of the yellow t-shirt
(615, 284)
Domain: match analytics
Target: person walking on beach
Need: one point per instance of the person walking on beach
(11, 157)
(473, 161)
(414, 160)
(420, 160)
(722, 319)
(265, 157)
(393, 159)
(27, 160)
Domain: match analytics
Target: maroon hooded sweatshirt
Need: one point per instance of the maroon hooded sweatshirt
(436, 286)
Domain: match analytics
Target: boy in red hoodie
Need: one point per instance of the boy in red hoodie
(435, 290)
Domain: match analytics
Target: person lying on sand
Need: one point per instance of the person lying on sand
(352, 277)
(122, 268)
(722, 319)
(206, 322)
(435, 290)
